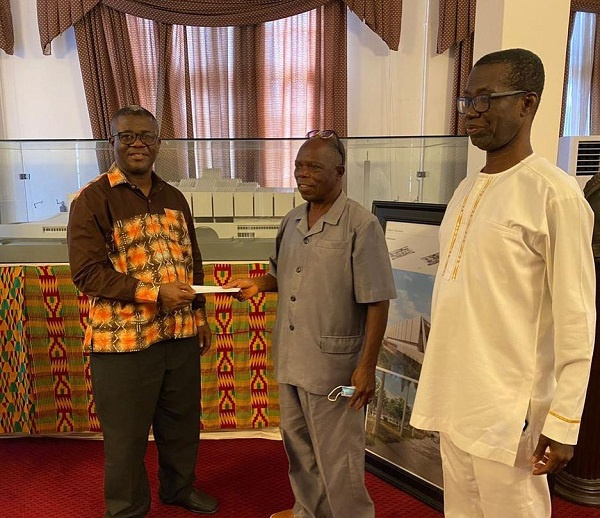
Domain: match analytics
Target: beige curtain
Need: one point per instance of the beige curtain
(588, 6)
(456, 32)
(318, 83)
(55, 16)
(7, 38)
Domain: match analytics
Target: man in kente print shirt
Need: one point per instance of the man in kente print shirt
(133, 251)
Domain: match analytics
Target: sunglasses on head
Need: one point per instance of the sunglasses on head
(322, 133)
(326, 134)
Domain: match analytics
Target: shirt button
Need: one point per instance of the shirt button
(291, 327)
(293, 299)
(306, 241)
(298, 270)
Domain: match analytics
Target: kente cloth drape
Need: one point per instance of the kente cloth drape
(588, 6)
(7, 37)
(456, 31)
(45, 385)
(55, 16)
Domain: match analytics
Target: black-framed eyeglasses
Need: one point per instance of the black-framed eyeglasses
(481, 103)
(129, 137)
(327, 134)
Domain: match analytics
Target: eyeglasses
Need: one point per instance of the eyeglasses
(128, 138)
(481, 103)
(327, 134)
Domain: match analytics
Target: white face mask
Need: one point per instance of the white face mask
(341, 390)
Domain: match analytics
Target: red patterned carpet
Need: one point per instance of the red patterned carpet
(62, 478)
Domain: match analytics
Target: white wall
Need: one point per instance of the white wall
(399, 93)
(43, 96)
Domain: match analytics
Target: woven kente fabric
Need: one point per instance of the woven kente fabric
(238, 385)
(60, 370)
(17, 400)
(45, 385)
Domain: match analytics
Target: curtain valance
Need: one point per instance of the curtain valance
(457, 23)
(7, 38)
(383, 17)
(56, 16)
(587, 6)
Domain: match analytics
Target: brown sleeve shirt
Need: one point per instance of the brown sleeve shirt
(122, 247)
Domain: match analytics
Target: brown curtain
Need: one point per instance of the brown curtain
(595, 90)
(456, 31)
(56, 16)
(383, 17)
(104, 59)
(162, 81)
(7, 37)
(587, 6)
(201, 86)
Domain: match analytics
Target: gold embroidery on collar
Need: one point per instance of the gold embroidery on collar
(462, 244)
(457, 226)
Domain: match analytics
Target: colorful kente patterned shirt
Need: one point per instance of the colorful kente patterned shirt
(122, 246)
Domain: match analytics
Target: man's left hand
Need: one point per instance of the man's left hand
(550, 456)
(204, 337)
(363, 378)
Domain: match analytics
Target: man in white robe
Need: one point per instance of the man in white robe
(513, 318)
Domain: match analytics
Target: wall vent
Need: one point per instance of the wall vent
(53, 229)
(579, 156)
(588, 157)
(254, 231)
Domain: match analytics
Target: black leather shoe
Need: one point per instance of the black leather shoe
(198, 502)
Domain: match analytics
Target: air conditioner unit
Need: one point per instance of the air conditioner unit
(580, 157)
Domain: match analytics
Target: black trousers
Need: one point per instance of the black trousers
(159, 386)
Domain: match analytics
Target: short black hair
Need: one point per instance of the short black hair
(526, 70)
(132, 109)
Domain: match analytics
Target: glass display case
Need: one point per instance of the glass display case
(238, 190)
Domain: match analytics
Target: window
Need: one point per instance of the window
(577, 120)
(232, 82)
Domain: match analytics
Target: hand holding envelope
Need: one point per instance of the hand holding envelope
(214, 289)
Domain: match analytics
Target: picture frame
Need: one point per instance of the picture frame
(404, 456)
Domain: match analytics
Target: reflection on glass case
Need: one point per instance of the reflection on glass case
(238, 190)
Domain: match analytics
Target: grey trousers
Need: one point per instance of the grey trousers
(159, 386)
(325, 445)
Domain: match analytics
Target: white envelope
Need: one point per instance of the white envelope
(214, 289)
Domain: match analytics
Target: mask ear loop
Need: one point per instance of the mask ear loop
(331, 396)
